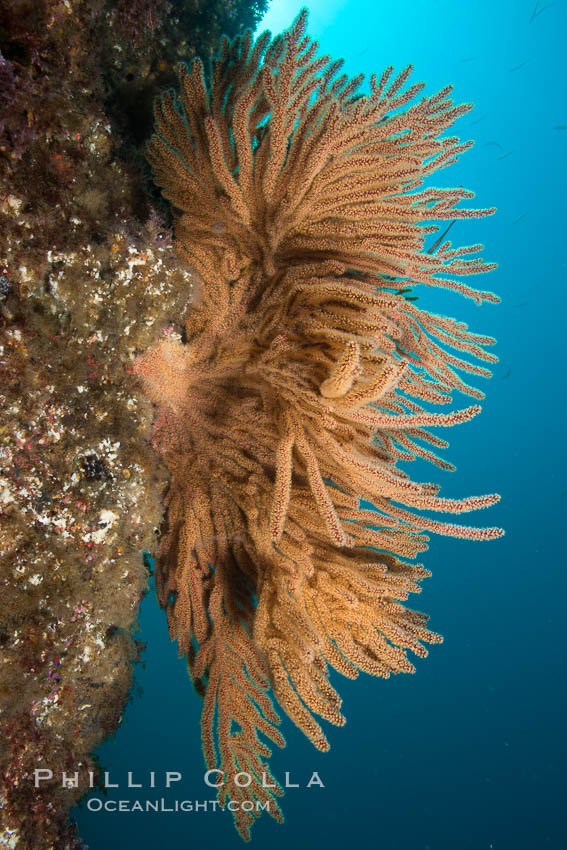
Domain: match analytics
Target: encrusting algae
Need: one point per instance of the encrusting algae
(87, 275)
(305, 374)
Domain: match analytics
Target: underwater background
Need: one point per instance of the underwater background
(470, 751)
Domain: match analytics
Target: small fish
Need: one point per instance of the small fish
(560, 127)
(504, 155)
(537, 11)
(362, 52)
(478, 120)
(507, 375)
(411, 298)
(443, 235)
(469, 59)
(493, 145)
(517, 67)
(521, 304)
(403, 291)
(520, 217)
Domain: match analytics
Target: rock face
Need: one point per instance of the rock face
(88, 276)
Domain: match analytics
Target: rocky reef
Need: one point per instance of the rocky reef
(88, 277)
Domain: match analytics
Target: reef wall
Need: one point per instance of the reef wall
(87, 275)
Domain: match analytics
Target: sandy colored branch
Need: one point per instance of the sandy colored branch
(306, 377)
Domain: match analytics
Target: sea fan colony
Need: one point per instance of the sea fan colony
(305, 376)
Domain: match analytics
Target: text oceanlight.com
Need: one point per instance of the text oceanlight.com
(96, 804)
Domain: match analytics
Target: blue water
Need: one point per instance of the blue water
(470, 751)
